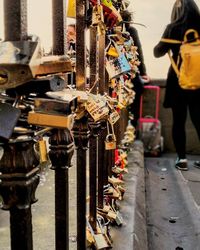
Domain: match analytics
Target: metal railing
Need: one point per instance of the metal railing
(19, 164)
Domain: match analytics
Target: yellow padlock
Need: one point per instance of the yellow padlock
(42, 151)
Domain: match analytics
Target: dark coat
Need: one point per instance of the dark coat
(134, 34)
(138, 83)
(174, 93)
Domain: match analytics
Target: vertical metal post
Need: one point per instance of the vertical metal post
(61, 151)
(81, 136)
(80, 45)
(61, 154)
(81, 132)
(18, 182)
(94, 133)
(59, 27)
(93, 173)
(15, 20)
(19, 174)
(102, 136)
(23, 220)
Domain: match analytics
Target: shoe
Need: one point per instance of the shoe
(197, 164)
(181, 164)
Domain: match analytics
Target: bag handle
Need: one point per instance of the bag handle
(173, 41)
(168, 40)
(174, 66)
(196, 34)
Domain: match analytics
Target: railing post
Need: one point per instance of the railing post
(61, 142)
(81, 136)
(61, 152)
(18, 182)
(15, 20)
(59, 27)
(81, 130)
(18, 166)
(95, 128)
(101, 147)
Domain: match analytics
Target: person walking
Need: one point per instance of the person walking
(185, 15)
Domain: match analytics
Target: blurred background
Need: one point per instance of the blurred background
(154, 14)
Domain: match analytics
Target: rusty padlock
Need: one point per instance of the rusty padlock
(110, 142)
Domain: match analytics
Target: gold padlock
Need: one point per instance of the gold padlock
(42, 151)
(110, 142)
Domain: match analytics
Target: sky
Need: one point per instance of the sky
(154, 14)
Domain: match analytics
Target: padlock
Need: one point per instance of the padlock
(112, 193)
(42, 151)
(107, 212)
(9, 116)
(99, 239)
(95, 16)
(118, 219)
(97, 107)
(51, 120)
(115, 181)
(112, 51)
(39, 86)
(110, 142)
(104, 227)
(52, 106)
(21, 61)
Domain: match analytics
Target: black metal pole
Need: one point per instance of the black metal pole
(18, 182)
(15, 20)
(81, 132)
(92, 181)
(61, 151)
(59, 27)
(101, 164)
(21, 229)
(61, 142)
(19, 178)
(94, 133)
(102, 136)
(81, 136)
(80, 45)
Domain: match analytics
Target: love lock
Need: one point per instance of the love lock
(19, 61)
(99, 239)
(110, 142)
(9, 116)
(41, 150)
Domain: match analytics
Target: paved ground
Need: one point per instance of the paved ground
(173, 204)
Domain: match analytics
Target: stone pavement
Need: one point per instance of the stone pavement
(173, 201)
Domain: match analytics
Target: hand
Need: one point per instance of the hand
(146, 79)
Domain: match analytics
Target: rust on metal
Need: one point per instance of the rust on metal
(15, 20)
(59, 27)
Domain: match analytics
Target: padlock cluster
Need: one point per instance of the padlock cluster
(121, 65)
